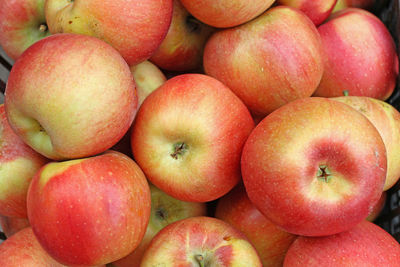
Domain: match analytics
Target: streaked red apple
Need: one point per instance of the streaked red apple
(12, 225)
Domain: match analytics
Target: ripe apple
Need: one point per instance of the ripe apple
(12, 225)
(270, 241)
(360, 56)
(134, 28)
(364, 4)
(200, 241)
(377, 209)
(386, 119)
(188, 137)
(314, 167)
(18, 164)
(226, 13)
(89, 211)
(317, 10)
(182, 48)
(366, 244)
(164, 210)
(70, 96)
(268, 62)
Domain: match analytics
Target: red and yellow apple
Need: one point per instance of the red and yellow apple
(12, 225)
(364, 4)
(377, 209)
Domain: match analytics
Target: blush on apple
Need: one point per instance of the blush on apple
(364, 4)
(314, 167)
(12, 225)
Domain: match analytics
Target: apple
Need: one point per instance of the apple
(270, 241)
(22, 23)
(314, 167)
(188, 137)
(317, 10)
(12, 225)
(164, 211)
(89, 211)
(182, 48)
(18, 164)
(70, 96)
(226, 13)
(386, 119)
(377, 209)
(134, 28)
(364, 4)
(269, 61)
(200, 241)
(366, 244)
(360, 56)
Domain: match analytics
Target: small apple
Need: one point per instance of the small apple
(12, 225)
(200, 241)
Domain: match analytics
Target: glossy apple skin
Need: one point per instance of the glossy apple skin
(215, 240)
(11, 225)
(192, 128)
(89, 211)
(182, 48)
(268, 62)
(134, 28)
(360, 56)
(386, 119)
(320, 168)
(18, 164)
(226, 13)
(317, 10)
(70, 96)
(366, 244)
(270, 241)
(164, 211)
(22, 23)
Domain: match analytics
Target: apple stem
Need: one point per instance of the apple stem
(200, 260)
(324, 173)
(179, 149)
(346, 93)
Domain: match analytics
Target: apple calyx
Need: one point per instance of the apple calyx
(161, 213)
(192, 23)
(179, 150)
(200, 260)
(324, 173)
(43, 27)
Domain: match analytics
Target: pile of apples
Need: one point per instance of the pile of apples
(197, 133)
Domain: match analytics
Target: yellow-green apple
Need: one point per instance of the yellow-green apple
(317, 10)
(188, 137)
(270, 241)
(386, 120)
(164, 211)
(89, 211)
(134, 28)
(182, 48)
(376, 210)
(12, 225)
(18, 164)
(360, 56)
(269, 61)
(70, 96)
(200, 241)
(366, 244)
(22, 23)
(226, 13)
(314, 167)
(23, 249)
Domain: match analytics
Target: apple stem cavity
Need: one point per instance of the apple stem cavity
(179, 149)
(43, 27)
(324, 173)
(193, 24)
(161, 213)
(200, 260)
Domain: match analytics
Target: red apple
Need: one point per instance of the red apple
(270, 241)
(18, 164)
(268, 62)
(89, 211)
(188, 137)
(377, 209)
(70, 96)
(314, 167)
(200, 241)
(364, 245)
(360, 56)
(134, 28)
(364, 4)
(12, 225)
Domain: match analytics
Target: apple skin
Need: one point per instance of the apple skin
(213, 240)
(89, 211)
(364, 4)
(134, 28)
(360, 56)
(377, 209)
(386, 119)
(62, 104)
(317, 10)
(18, 164)
(366, 244)
(226, 13)
(270, 241)
(320, 168)
(164, 211)
(22, 23)
(12, 225)
(268, 62)
(182, 48)
(192, 128)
